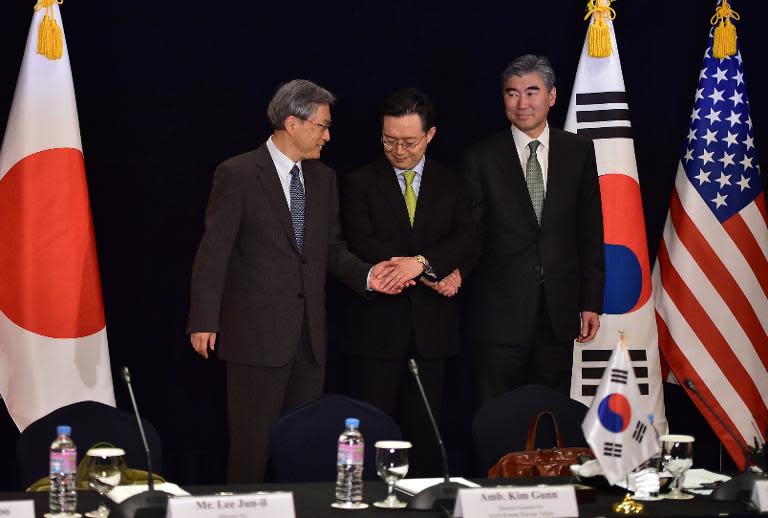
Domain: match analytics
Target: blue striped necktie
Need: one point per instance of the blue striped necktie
(297, 207)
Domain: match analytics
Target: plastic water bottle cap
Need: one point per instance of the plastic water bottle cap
(352, 422)
(63, 430)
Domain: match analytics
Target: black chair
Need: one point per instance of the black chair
(91, 422)
(501, 425)
(303, 443)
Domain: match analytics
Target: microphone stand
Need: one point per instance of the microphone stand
(442, 495)
(150, 503)
(740, 486)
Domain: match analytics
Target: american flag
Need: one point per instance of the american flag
(711, 275)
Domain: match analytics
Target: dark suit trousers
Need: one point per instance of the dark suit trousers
(544, 360)
(257, 397)
(388, 385)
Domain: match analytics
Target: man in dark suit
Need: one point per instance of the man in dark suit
(258, 282)
(535, 194)
(410, 207)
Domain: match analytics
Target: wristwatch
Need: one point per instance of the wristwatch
(428, 271)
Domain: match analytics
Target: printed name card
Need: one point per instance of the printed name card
(760, 495)
(17, 509)
(517, 502)
(247, 505)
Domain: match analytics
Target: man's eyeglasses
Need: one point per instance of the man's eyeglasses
(323, 127)
(391, 143)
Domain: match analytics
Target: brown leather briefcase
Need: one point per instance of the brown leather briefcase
(538, 462)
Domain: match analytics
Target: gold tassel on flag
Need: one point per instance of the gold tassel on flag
(50, 42)
(599, 36)
(725, 32)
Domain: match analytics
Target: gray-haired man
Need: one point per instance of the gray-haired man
(538, 286)
(258, 282)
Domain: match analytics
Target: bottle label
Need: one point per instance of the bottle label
(350, 454)
(64, 462)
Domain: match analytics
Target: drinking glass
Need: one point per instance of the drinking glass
(104, 473)
(392, 465)
(676, 458)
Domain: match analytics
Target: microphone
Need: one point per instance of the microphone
(150, 503)
(740, 486)
(127, 378)
(441, 495)
(742, 446)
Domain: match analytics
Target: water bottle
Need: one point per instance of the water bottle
(349, 467)
(62, 497)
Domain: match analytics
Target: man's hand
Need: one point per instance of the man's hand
(388, 277)
(590, 323)
(202, 341)
(408, 267)
(448, 286)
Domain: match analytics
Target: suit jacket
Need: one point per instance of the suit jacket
(249, 282)
(565, 252)
(376, 226)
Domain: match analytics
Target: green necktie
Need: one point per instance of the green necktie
(410, 194)
(535, 179)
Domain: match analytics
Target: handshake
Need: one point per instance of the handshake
(393, 276)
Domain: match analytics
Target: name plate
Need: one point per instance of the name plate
(17, 509)
(760, 495)
(246, 505)
(517, 502)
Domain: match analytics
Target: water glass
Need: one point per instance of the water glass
(676, 458)
(104, 473)
(392, 465)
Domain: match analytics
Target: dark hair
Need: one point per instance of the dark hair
(298, 98)
(410, 101)
(531, 64)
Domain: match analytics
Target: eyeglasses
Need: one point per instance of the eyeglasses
(391, 143)
(323, 127)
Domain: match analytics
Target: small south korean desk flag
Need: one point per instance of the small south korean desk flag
(616, 426)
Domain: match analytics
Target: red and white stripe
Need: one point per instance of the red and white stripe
(711, 296)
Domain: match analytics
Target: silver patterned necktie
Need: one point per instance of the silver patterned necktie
(297, 207)
(535, 179)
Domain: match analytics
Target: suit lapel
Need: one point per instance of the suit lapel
(313, 204)
(513, 171)
(388, 186)
(555, 168)
(428, 192)
(267, 175)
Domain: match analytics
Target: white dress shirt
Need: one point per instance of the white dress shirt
(283, 164)
(418, 169)
(542, 152)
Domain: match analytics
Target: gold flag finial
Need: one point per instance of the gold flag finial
(725, 32)
(599, 37)
(50, 42)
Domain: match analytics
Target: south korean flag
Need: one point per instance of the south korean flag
(616, 426)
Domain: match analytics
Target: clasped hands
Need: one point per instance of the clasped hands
(393, 276)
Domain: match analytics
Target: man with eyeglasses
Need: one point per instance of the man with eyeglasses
(272, 234)
(409, 207)
(539, 283)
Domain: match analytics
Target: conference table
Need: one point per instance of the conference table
(312, 500)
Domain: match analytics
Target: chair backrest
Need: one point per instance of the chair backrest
(501, 425)
(91, 422)
(303, 442)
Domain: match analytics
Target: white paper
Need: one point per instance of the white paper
(17, 509)
(241, 505)
(411, 486)
(760, 495)
(695, 478)
(120, 493)
(516, 501)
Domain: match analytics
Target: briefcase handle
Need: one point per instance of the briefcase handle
(533, 428)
